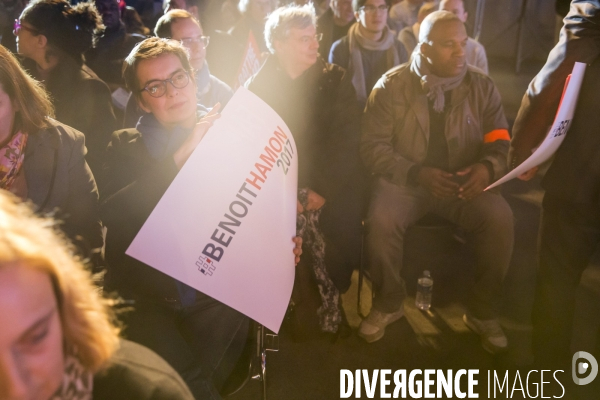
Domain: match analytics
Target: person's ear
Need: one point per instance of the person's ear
(465, 16)
(425, 49)
(41, 41)
(356, 16)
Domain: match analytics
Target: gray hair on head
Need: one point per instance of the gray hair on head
(285, 18)
(431, 20)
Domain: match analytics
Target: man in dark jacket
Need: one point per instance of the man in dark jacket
(317, 102)
(435, 136)
(570, 228)
(334, 24)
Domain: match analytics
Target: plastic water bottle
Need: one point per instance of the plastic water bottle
(425, 285)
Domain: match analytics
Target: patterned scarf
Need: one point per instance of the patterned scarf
(358, 41)
(307, 226)
(11, 159)
(434, 85)
(77, 381)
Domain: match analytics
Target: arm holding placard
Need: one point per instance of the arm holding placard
(579, 42)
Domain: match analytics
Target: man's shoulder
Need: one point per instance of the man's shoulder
(397, 79)
(407, 31)
(340, 45)
(399, 74)
(479, 77)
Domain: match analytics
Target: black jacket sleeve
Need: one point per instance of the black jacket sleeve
(579, 42)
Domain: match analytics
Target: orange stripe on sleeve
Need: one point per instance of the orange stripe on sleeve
(496, 134)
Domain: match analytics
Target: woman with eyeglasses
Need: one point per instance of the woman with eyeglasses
(180, 25)
(53, 35)
(199, 336)
(42, 160)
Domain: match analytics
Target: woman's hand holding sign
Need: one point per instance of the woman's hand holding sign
(200, 130)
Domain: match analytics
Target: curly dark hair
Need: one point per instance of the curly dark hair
(69, 29)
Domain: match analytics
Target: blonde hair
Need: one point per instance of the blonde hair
(34, 242)
(27, 94)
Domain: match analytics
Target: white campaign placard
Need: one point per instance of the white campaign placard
(557, 133)
(226, 223)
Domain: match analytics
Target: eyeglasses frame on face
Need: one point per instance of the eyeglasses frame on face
(205, 40)
(373, 10)
(305, 39)
(17, 26)
(164, 83)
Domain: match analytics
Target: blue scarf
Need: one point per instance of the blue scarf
(162, 143)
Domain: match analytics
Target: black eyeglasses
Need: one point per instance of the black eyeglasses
(158, 88)
(17, 26)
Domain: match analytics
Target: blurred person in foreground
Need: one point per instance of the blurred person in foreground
(42, 160)
(58, 339)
